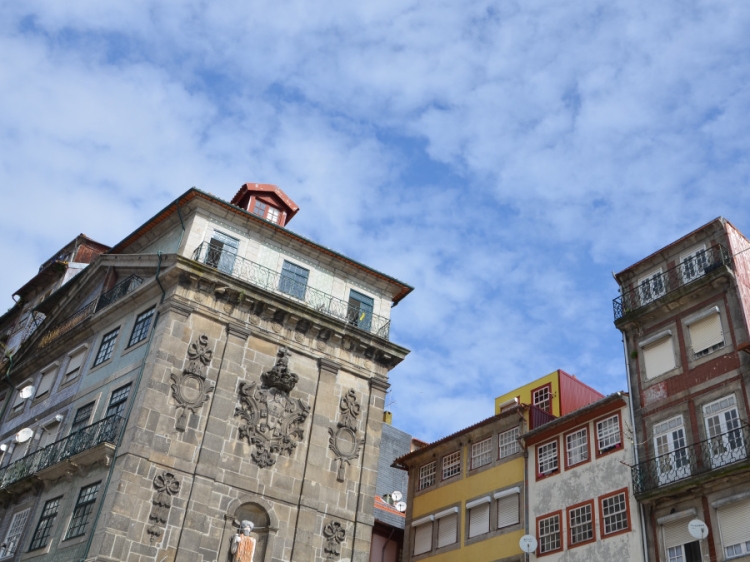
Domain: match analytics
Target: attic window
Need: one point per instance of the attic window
(260, 208)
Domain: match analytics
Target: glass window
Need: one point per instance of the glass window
(615, 514)
(83, 415)
(451, 465)
(481, 453)
(547, 454)
(549, 534)
(577, 446)
(542, 399)
(222, 252)
(360, 310)
(608, 433)
(142, 324)
(74, 365)
(273, 214)
(44, 527)
(427, 475)
(45, 385)
(260, 208)
(509, 442)
(82, 511)
(106, 347)
(293, 280)
(581, 524)
(13, 536)
(651, 287)
(117, 401)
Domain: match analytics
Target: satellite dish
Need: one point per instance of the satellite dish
(401, 506)
(698, 529)
(528, 543)
(27, 391)
(24, 435)
(397, 496)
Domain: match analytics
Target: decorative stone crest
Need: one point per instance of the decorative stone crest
(190, 388)
(271, 419)
(335, 535)
(343, 440)
(166, 486)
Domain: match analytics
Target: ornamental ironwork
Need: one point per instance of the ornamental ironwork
(335, 534)
(343, 439)
(190, 388)
(271, 419)
(166, 486)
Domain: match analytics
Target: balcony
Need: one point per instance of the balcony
(102, 301)
(224, 260)
(657, 286)
(711, 458)
(82, 448)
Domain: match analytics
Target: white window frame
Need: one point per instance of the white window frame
(481, 453)
(427, 475)
(542, 398)
(551, 532)
(613, 518)
(583, 516)
(14, 533)
(699, 265)
(606, 438)
(654, 280)
(580, 448)
(508, 442)
(452, 464)
(548, 458)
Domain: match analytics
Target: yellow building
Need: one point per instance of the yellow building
(466, 494)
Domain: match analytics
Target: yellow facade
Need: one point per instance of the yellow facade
(523, 393)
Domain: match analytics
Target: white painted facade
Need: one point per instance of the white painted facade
(590, 484)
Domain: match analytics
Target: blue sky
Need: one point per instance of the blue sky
(501, 157)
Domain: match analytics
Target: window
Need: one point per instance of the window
(74, 366)
(360, 310)
(542, 398)
(658, 354)
(735, 532)
(672, 461)
(577, 447)
(293, 280)
(693, 265)
(679, 545)
(508, 507)
(106, 347)
(427, 475)
(723, 427)
(422, 536)
(260, 208)
(45, 384)
(222, 252)
(447, 527)
(82, 511)
(581, 524)
(614, 513)
(83, 415)
(651, 287)
(44, 527)
(508, 441)
(273, 214)
(451, 465)
(481, 453)
(13, 536)
(547, 458)
(142, 324)
(706, 335)
(608, 435)
(117, 401)
(479, 517)
(19, 401)
(549, 533)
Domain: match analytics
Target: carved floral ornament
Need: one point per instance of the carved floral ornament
(271, 419)
(343, 440)
(166, 486)
(190, 388)
(335, 534)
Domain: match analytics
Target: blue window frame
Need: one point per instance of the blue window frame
(360, 310)
(293, 280)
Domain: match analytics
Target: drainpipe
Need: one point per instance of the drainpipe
(120, 436)
(182, 223)
(382, 554)
(158, 271)
(635, 447)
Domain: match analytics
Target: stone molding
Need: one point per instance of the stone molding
(335, 535)
(166, 486)
(343, 440)
(190, 388)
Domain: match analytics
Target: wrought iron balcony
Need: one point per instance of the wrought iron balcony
(74, 445)
(699, 459)
(102, 301)
(223, 259)
(659, 285)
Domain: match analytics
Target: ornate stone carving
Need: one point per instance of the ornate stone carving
(166, 486)
(343, 440)
(335, 535)
(190, 388)
(271, 419)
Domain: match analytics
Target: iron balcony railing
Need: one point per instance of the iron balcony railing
(538, 417)
(225, 260)
(692, 461)
(656, 286)
(105, 299)
(104, 431)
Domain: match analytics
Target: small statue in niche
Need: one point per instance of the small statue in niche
(243, 545)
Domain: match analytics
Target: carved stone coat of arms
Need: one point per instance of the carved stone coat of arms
(271, 419)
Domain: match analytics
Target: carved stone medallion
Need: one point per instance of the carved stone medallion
(343, 440)
(190, 388)
(166, 486)
(335, 534)
(271, 419)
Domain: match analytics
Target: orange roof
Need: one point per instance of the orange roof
(380, 503)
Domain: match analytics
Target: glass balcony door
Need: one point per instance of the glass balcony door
(672, 461)
(725, 440)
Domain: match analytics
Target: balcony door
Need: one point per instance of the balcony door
(725, 440)
(222, 252)
(672, 460)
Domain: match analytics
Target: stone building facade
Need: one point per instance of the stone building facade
(212, 367)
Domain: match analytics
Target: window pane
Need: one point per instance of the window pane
(427, 475)
(360, 310)
(44, 527)
(82, 417)
(577, 446)
(451, 465)
(481, 453)
(549, 534)
(608, 433)
(106, 347)
(581, 526)
(117, 401)
(509, 442)
(548, 458)
(293, 280)
(82, 511)
(140, 329)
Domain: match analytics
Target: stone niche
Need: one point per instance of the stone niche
(261, 532)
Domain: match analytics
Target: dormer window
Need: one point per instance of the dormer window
(273, 214)
(260, 208)
(266, 211)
